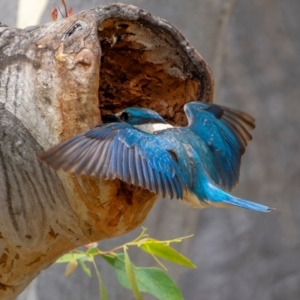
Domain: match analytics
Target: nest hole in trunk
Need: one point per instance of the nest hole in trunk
(145, 66)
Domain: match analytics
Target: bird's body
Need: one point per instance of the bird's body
(188, 163)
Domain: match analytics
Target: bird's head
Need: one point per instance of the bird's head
(135, 116)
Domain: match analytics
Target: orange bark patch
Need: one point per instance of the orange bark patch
(142, 68)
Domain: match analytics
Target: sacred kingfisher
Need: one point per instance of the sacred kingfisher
(194, 164)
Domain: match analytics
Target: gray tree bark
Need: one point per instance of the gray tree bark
(240, 255)
(54, 78)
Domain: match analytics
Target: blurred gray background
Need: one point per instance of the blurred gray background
(253, 50)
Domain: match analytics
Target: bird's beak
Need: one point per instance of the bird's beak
(110, 118)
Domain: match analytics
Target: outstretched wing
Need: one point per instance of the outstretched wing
(118, 150)
(226, 133)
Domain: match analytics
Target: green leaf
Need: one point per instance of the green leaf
(71, 267)
(70, 256)
(150, 280)
(110, 259)
(92, 251)
(131, 276)
(103, 290)
(166, 252)
(85, 268)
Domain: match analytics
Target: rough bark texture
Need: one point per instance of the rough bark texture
(53, 80)
(239, 254)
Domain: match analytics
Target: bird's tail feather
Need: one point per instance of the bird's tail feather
(247, 204)
(218, 196)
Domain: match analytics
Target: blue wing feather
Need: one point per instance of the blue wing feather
(161, 187)
(139, 169)
(166, 184)
(118, 150)
(81, 165)
(91, 164)
(131, 166)
(126, 176)
(226, 134)
(77, 152)
(69, 149)
(96, 164)
(105, 168)
(145, 173)
(120, 164)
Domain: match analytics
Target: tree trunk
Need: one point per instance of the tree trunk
(56, 80)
